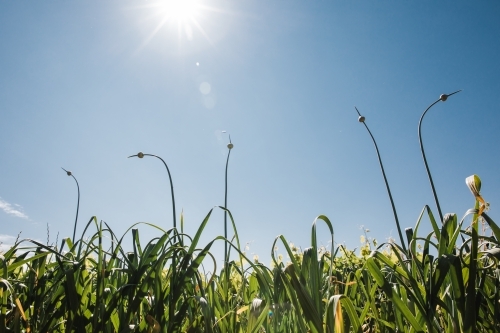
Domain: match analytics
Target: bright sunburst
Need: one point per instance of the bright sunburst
(179, 10)
(183, 18)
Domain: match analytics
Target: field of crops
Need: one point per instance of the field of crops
(445, 281)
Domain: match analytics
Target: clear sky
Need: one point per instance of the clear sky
(84, 84)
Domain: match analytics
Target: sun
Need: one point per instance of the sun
(179, 10)
(183, 17)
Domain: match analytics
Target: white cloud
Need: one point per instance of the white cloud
(7, 239)
(6, 242)
(9, 209)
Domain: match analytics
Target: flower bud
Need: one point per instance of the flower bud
(230, 145)
(443, 97)
(257, 306)
(68, 173)
(361, 119)
(140, 155)
(474, 184)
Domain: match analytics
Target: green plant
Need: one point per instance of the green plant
(445, 281)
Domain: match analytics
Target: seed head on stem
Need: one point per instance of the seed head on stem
(141, 155)
(443, 98)
(174, 257)
(77, 204)
(361, 119)
(229, 146)
(226, 254)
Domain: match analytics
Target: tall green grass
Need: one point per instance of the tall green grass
(445, 281)
(449, 285)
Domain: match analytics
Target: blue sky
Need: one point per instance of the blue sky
(84, 84)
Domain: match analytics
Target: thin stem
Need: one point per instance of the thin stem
(226, 254)
(362, 119)
(225, 204)
(171, 307)
(443, 98)
(425, 161)
(77, 204)
(140, 155)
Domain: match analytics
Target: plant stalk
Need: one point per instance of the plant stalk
(140, 155)
(77, 203)
(443, 98)
(362, 120)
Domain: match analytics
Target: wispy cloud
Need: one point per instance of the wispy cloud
(6, 242)
(14, 210)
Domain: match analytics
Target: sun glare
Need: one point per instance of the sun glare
(183, 16)
(180, 10)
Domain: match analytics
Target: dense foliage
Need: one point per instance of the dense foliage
(447, 281)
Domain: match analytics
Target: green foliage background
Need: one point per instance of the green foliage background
(446, 281)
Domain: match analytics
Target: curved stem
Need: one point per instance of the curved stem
(171, 185)
(226, 254)
(225, 212)
(425, 161)
(443, 98)
(171, 189)
(77, 204)
(386, 183)
(171, 308)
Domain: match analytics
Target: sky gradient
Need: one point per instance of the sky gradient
(84, 84)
